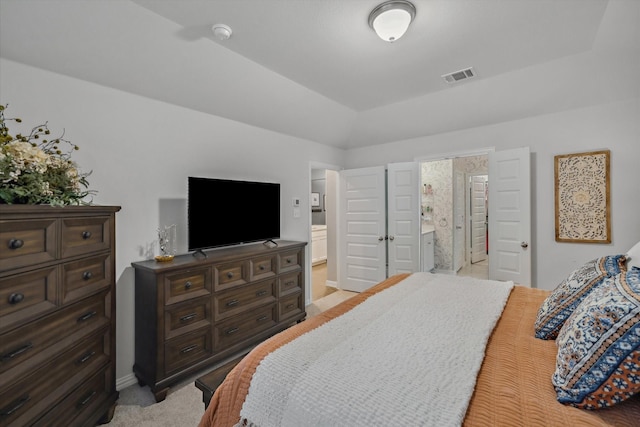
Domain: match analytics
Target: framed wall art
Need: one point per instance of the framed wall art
(315, 200)
(582, 193)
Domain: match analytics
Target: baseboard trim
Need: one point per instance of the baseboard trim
(331, 284)
(126, 381)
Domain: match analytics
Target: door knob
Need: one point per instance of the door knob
(380, 239)
(524, 245)
(391, 237)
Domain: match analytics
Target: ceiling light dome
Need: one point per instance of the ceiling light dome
(221, 32)
(391, 19)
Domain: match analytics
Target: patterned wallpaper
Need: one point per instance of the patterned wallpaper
(439, 175)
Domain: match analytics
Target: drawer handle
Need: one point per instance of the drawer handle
(86, 357)
(189, 348)
(229, 275)
(233, 303)
(87, 275)
(290, 305)
(15, 405)
(86, 235)
(262, 267)
(261, 293)
(86, 400)
(188, 317)
(290, 283)
(87, 316)
(15, 298)
(17, 352)
(231, 331)
(188, 285)
(261, 319)
(16, 243)
(288, 260)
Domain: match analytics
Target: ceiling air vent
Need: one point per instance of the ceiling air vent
(458, 76)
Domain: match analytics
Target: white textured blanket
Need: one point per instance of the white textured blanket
(407, 356)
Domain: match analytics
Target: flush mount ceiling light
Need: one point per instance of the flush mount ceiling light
(391, 19)
(221, 32)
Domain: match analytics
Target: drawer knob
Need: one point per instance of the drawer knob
(86, 235)
(15, 405)
(188, 285)
(86, 399)
(17, 352)
(87, 275)
(262, 267)
(233, 303)
(15, 298)
(229, 275)
(288, 260)
(16, 243)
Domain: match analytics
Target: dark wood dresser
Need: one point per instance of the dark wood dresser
(197, 312)
(57, 315)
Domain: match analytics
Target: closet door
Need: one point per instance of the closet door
(403, 217)
(362, 229)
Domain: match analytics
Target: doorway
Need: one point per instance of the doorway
(323, 227)
(447, 208)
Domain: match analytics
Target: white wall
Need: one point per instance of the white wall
(614, 126)
(141, 152)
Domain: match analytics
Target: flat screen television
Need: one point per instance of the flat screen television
(222, 212)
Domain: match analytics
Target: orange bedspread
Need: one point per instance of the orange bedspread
(513, 387)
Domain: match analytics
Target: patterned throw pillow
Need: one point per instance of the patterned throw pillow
(559, 305)
(598, 362)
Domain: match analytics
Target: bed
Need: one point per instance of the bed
(510, 384)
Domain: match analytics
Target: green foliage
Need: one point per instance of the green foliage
(35, 170)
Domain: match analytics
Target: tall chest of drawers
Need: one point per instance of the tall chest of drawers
(57, 315)
(196, 312)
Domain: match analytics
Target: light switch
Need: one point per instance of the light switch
(296, 202)
(296, 212)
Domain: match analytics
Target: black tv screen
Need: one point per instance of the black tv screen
(222, 212)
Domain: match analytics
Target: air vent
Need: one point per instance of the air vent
(458, 76)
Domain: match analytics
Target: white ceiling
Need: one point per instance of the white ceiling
(314, 69)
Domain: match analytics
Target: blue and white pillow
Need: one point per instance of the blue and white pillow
(559, 305)
(598, 361)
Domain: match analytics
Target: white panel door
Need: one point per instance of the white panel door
(478, 218)
(510, 216)
(403, 218)
(362, 228)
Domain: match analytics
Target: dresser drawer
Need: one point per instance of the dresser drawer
(85, 235)
(32, 392)
(186, 285)
(186, 350)
(26, 242)
(244, 326)
(85, 277)
(289, 260)
(263, 267)
(290, 306)
(290, 283)
(186, 317)
(27, 296)
(39, 341)
(81, 403)
(235, 301)
(231, 274)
